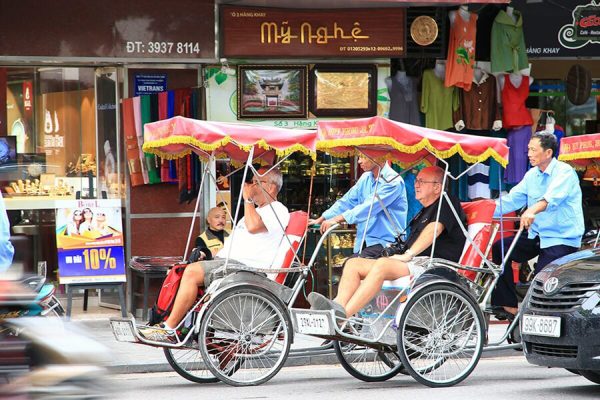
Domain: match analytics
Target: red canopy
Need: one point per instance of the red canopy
(405, 144)
(580, 151)
(178, 136)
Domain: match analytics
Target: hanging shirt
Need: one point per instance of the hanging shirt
(479, 107)
(404, 106)
(562, 221)
(515, 113)
(357, 202)
(438, 102)
(461, 52)
(508, 51)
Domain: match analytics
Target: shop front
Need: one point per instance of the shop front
(64, 69)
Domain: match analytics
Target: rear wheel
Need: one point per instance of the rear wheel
(366, 363)
(188, 363)
(593, 376)
(440, 335)
(245, 336)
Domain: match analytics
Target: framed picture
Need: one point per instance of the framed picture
(343, 90)
(272, 91)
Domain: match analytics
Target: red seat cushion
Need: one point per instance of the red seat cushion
(479, 218)
(295, 232)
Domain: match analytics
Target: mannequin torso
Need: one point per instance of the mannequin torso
(440, 69)
(464, 13)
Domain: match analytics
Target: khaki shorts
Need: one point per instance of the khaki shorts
(211, 266)
(416, 268)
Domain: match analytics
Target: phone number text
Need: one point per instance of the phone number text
(162, 47)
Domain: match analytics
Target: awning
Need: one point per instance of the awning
(580, 151)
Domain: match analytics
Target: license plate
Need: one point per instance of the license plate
(312, 324)
(123, 331)
(539, 325)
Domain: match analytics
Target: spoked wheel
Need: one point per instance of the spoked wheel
(188, 363)
(245, 336)
(55, 309)
(440, 335)
(366, 363)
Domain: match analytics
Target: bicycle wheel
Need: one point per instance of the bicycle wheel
(188, 363)
(440, 335)
(55, 309)
(245, 336)
(366, 363)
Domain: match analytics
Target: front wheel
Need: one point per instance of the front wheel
(440, 335)
(245, 336)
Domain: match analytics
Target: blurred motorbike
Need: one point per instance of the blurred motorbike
(45, 358)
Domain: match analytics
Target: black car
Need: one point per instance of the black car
(560, 323)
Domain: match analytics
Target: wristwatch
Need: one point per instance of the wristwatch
(249, 201)
(410, 253)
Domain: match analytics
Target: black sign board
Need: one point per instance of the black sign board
(561, 28)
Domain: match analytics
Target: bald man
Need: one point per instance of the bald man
(362, 278)
(209, 242)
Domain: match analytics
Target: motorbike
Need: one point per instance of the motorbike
(45, 358)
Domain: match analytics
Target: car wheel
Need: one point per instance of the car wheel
(593, 376)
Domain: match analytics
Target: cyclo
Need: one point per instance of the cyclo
(434, 327)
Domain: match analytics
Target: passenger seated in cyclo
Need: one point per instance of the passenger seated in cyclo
(363, 278)
(209, 242)
(553, 220)
(254, 243)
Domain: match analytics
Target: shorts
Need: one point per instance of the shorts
(416, 267)
(211, 268)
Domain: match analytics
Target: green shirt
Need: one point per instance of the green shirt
(437, 102)
(508, 52)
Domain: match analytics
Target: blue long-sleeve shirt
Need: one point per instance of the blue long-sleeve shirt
(562, 221)
(6, 248)
(355, 204)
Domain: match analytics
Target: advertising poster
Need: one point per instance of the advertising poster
(89, 239)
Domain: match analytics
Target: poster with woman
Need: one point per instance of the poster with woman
(89, 239)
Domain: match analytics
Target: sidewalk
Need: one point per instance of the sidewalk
(136, 358)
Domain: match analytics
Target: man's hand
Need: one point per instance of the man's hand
(402, 257)
(330, 222)
(248, 191)
(527, 219)
(317, 221)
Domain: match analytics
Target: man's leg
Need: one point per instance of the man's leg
(551, 253)
(383, 269)
(355, 270)
(192, 278)
(525, 249)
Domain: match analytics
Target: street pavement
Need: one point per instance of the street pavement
(495, 378)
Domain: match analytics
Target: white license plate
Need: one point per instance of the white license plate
(539, 325)
(312, 324)
(123, 331)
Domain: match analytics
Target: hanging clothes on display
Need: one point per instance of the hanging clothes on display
(485, 19)
(508, 51)
(514, 111)
(478, 179)
(139, 129)
(131, 143)
(149, 159)
(438, 102)
(496, 171)
(461, 49)
(518, 162)
(404, 106)
(478, 108)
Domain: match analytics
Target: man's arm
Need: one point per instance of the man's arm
(424, 240)
(388, 193)
(252, 219)
(516, 199)
(334, 214)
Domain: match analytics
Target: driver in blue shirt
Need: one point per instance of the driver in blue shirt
(6, 248)
(354, 207)
(553, 219)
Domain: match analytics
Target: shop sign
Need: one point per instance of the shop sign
(569, 28)
(27, 97)
(132, 29)
(294, 33)
(89, 239)
(149, 83)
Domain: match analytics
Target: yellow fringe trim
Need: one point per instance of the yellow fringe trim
(154, 147)
(328, 145)
(579, 155)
